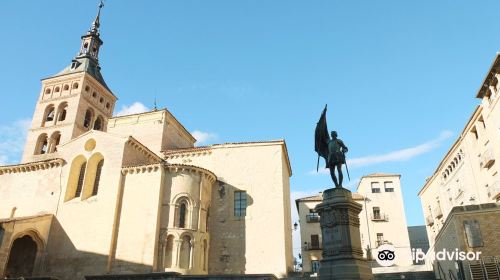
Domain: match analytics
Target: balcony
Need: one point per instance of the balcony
(494, 190)
(308, 246)
(429, 220)
(312, 218)
(378, 217)
(437, 212)
(488, 158)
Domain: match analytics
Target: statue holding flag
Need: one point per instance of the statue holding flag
(331, 149)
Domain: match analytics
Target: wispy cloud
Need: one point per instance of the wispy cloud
(203, 137)
(12, 139)
(395, 156)
(135, 108)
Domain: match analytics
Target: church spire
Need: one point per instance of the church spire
(91, 42)
(96, 23)
(87, 58)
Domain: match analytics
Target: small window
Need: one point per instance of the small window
(107, 105)
(182, 215)
(315, 242)
(75, 85)
(376, 213)
(57, 89)
(94, 94)
(87, 88)
(380, 239)
(375, 187)
(240, 203)
(101, 100)
(97, 177)
(66, 87)
(47, 91)
(388, 186)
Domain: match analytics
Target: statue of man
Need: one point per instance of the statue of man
(331, 149)
(336, 157)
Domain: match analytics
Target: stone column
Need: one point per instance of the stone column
(342, 252)
(176, 263)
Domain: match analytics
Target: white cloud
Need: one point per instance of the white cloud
(203, 137)
(395, 156)
(135, 108)
(12, 139)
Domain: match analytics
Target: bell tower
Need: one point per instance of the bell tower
(72, 102)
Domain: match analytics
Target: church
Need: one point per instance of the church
(96, 194)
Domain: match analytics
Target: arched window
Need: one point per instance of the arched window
(169, 251)
(47, 91)
(48, 115)
(66, 87)
(76, 178)
(101, 100)
(98, 123)
(97, 179)
(42, 145)
(81, 177)
(55, 139)
(185, 253)
(87, 121)
(57, 89)
(75, 85)
(182, 214)
(62, 111)
(87, 88)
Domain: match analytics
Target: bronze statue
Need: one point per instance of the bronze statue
(331, 149)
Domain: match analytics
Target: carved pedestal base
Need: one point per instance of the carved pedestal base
(342, 252)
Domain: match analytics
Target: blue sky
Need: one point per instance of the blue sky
(399, 77)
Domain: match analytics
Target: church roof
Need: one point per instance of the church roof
(84, 64)
(87, 59)
(172, 152)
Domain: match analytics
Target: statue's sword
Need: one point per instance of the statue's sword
(346, 168)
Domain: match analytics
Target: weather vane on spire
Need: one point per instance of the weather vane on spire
(96, 24)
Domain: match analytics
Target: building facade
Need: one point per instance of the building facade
(468, 173)
(382, 221)
(97, 194)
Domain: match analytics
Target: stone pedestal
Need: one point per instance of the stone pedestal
(342, 252)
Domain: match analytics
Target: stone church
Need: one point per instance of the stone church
(96, 194)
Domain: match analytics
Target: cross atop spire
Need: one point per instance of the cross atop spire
(96, 23)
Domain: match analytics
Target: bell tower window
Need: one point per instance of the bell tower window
(42, 145)
(48, 115)
(62, 112)
(87, 121)
(98, 123)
